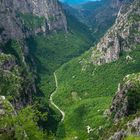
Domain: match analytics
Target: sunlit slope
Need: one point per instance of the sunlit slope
(85, 91)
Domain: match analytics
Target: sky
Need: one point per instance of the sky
(74, 2)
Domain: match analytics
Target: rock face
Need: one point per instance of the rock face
(20, 19)
(50, 9)
(123, 35)
(118, 135)
(11, 25)
(132, 128)
(126, 100)
(125, 103)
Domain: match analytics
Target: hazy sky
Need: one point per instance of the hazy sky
(76, 1)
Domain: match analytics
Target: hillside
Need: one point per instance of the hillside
(86, 91)
(34, 42)
(86, 88)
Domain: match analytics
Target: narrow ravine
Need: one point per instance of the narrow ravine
(52, 102)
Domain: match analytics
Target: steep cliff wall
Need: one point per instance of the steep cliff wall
(41, 15)
(9, 26)
(122, 37)
(49, 9)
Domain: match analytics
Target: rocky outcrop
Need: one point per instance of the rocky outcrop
(132, 129)
(122, 37)
(118, 135)
(125, 103)
(126, 100)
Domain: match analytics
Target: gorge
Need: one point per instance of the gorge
(69, 72)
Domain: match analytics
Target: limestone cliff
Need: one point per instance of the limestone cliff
(49, 9)
(14, 14)
(122, 37)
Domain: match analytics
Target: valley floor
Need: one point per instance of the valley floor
(84, 92)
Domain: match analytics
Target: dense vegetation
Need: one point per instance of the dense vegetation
(14, 84)
(21, 126)
(86, 91)
(46, 54)
(50, 52)
(31, 21)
